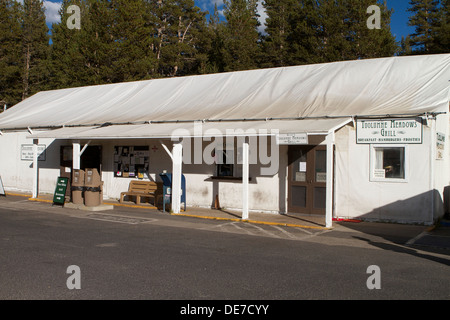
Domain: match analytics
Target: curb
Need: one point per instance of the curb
(252, 221)
(192, 215)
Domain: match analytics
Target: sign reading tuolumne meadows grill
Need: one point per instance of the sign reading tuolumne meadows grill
(389, 131)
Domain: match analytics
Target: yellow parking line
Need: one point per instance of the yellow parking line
(40, 200)
(130, 205)
(252, 221)
(191, 215)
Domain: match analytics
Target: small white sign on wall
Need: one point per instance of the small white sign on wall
(379, 173)
(292, 139)
(26, 152)
(440, 145)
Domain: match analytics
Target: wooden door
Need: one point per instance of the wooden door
(307, 178)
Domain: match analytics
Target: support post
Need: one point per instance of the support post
(245, 178)
(85, 147)
(177, 156)
(35, 191)
(432, 167)
(330, 179)
(76, 155)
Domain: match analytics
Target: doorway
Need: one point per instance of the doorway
(91, 158)
(307, 179)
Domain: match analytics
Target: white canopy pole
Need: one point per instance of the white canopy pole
(76, 155)
(177, 156)
(35, 192)
(245, 178)
(85, 147)
(167, 149)
(330, 178)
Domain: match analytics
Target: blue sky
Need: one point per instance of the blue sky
(399, 23)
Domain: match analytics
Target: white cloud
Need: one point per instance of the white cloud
(52, 11)
(262, 17)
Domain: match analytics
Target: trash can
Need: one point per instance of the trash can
(167, 189)
(77, 186)
(93, 195)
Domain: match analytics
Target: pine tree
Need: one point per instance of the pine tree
(10, 54)
(178, 25)
(99, 45)
(133, 55)
(69, 66)
(425, 19)
(281, 26)
(306, 40)
(215, 47)
(86, 56)
(241, 50)
(343, 33)
(35, 42)
(442, 39)
(369, 43)
(316, 31)
(405, 46)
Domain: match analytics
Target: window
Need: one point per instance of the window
(225, 162)
(388, 163)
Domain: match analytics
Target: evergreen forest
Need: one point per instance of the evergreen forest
(131, 40)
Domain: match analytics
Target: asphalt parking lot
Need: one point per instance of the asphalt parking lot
(134, 253)
(306, 228)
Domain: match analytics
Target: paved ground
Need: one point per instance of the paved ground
(288, 227)
(135, 253)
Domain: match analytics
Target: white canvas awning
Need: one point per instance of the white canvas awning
(198, 129)
(386, 86)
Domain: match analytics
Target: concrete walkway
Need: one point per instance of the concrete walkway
(419, 236)
(298, 221)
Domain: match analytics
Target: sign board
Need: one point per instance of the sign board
(379, 173)
(26, 152)
(60, 192)
(292, 139)
(321, 177)
(389, 131)
(131, 161)
(2, 189)
(440, 145)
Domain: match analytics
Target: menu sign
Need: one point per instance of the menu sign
(60, 192)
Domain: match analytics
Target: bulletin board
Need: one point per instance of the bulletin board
(131, 161)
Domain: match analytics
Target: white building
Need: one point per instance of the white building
(361, 139)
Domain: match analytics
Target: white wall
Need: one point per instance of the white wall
(17, 174)
(355, 195)
(201, 189)
(442, 168)
(358, 197)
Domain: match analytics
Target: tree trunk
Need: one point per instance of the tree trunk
(26, 74)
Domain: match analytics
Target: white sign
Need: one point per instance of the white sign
(321, 177)
(379, 173)
(389, 131)
(440, 145)
(26, 152)
(292, 139)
